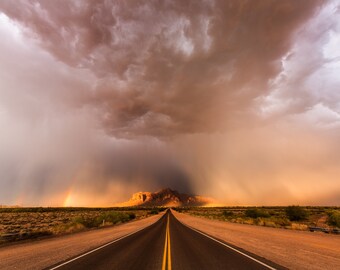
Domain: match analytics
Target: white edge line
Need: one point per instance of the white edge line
(100, 247)
(230, 247)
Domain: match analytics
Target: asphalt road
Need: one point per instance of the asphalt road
(167, 244)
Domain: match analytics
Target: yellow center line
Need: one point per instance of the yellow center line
(169, 247)
(167, 251)
(165, 247)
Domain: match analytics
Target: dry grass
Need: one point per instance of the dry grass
(276, 217)
(26, 223)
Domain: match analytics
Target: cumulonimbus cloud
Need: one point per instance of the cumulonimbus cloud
(157, 73)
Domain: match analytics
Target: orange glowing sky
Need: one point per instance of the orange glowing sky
(235, 100)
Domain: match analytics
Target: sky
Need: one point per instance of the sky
(235, 100)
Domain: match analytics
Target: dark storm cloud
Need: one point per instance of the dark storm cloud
(147, 164)
(213, 97)
(167, 67)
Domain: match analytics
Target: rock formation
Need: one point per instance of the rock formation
(166, 197)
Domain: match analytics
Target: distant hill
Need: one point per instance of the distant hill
(166, 197)
(10, 206)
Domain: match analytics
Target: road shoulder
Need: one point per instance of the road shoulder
(291, 249)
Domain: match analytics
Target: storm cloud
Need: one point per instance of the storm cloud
(220, 98)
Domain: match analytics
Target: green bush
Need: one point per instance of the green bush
(87, 221)
(154, 212)
(334, 218)
(116, 217)
(110, 217)
(296, 213)
(256, 213)
(283, 222)
(132, 216)
(226, 213)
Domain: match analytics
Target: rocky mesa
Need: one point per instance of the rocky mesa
(166, 197)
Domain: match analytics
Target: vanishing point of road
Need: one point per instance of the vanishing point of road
(166, 244)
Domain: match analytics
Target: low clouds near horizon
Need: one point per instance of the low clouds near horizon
(237, 100)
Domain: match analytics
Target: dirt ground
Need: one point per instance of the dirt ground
(291, 249)
(46, 252)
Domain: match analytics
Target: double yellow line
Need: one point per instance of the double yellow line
(167, 249)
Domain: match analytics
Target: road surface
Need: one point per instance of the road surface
(166, 244)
